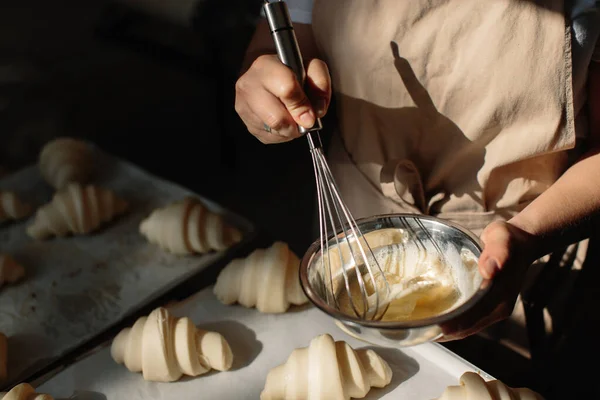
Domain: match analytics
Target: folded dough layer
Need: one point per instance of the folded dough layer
(474, 387)
(267, 279)
(187, 227)
(327, 370)
(164, 348)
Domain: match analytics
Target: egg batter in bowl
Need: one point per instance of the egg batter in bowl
(422, 280)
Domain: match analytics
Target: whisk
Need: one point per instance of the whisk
(334, 215)
(364, 273)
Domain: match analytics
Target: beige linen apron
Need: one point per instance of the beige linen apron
(461, 109)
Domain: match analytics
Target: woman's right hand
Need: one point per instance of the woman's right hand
(269, 93)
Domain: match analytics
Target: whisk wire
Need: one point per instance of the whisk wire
(359, 237)
(328, 206)
(329, 213)
(322, 232)
(330, 203)
(344, 227)
(421, 249)
(432, 241)
(350, 225)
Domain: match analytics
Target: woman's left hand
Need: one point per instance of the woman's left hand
(507, 254)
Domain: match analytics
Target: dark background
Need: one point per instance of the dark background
(156, 93)
(161, 95)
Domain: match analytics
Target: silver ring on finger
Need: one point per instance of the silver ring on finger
(266, 127)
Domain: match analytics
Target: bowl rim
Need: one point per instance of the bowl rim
(316, 300)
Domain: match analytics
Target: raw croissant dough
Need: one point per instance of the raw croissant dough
(11, 207)
(267, 279)
(327, 370)
(66, 160)
(76, 209)
(187, 226)
(164, 348)
(24, 391)
(10, 270)
(473, 386)
(3, 357)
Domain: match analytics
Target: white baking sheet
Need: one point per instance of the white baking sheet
(259, 343)
(78, 286)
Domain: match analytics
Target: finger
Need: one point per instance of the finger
(318, 86)
(496, 250)
(460, 335)
(471, 330)
(271, 112)
(479, 312)
(478, 327)
(488, 266)
(493, 259)
(282, 82)
(268, 138)
(256, 127)
(464, 327)
(255, 98)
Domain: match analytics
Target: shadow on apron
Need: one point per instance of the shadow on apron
(463, 110)
(543, 318)
(552, 309)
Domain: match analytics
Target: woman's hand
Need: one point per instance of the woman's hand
(269, 94)
(507, 254)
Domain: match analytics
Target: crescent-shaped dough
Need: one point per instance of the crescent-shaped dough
(474, 387)
(24, 391)
(267, 279)
(186, 227)
(164, 348)
(77, 210)
(327, 369)
(11, 207)
(66, 160)
(10, 270)
(3, 357)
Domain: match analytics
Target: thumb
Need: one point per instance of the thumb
(496, 250)
(318, 83)
(291, 94)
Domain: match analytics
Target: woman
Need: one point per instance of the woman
(473, 111)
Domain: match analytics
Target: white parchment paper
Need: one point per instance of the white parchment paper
(259, 342)
(76, 287)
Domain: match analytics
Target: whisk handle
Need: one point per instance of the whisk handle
(288, 51)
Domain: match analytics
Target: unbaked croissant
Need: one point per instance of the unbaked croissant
(76, 209)
(186, 227)
(66, 160)
(327, 369)
(11, 207)
(10, 270)
(3, 357)
(164, 348)
(24, 391)
(473, 386)
(267, 279)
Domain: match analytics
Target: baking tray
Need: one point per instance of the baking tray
(259, 342)
(77, 288)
